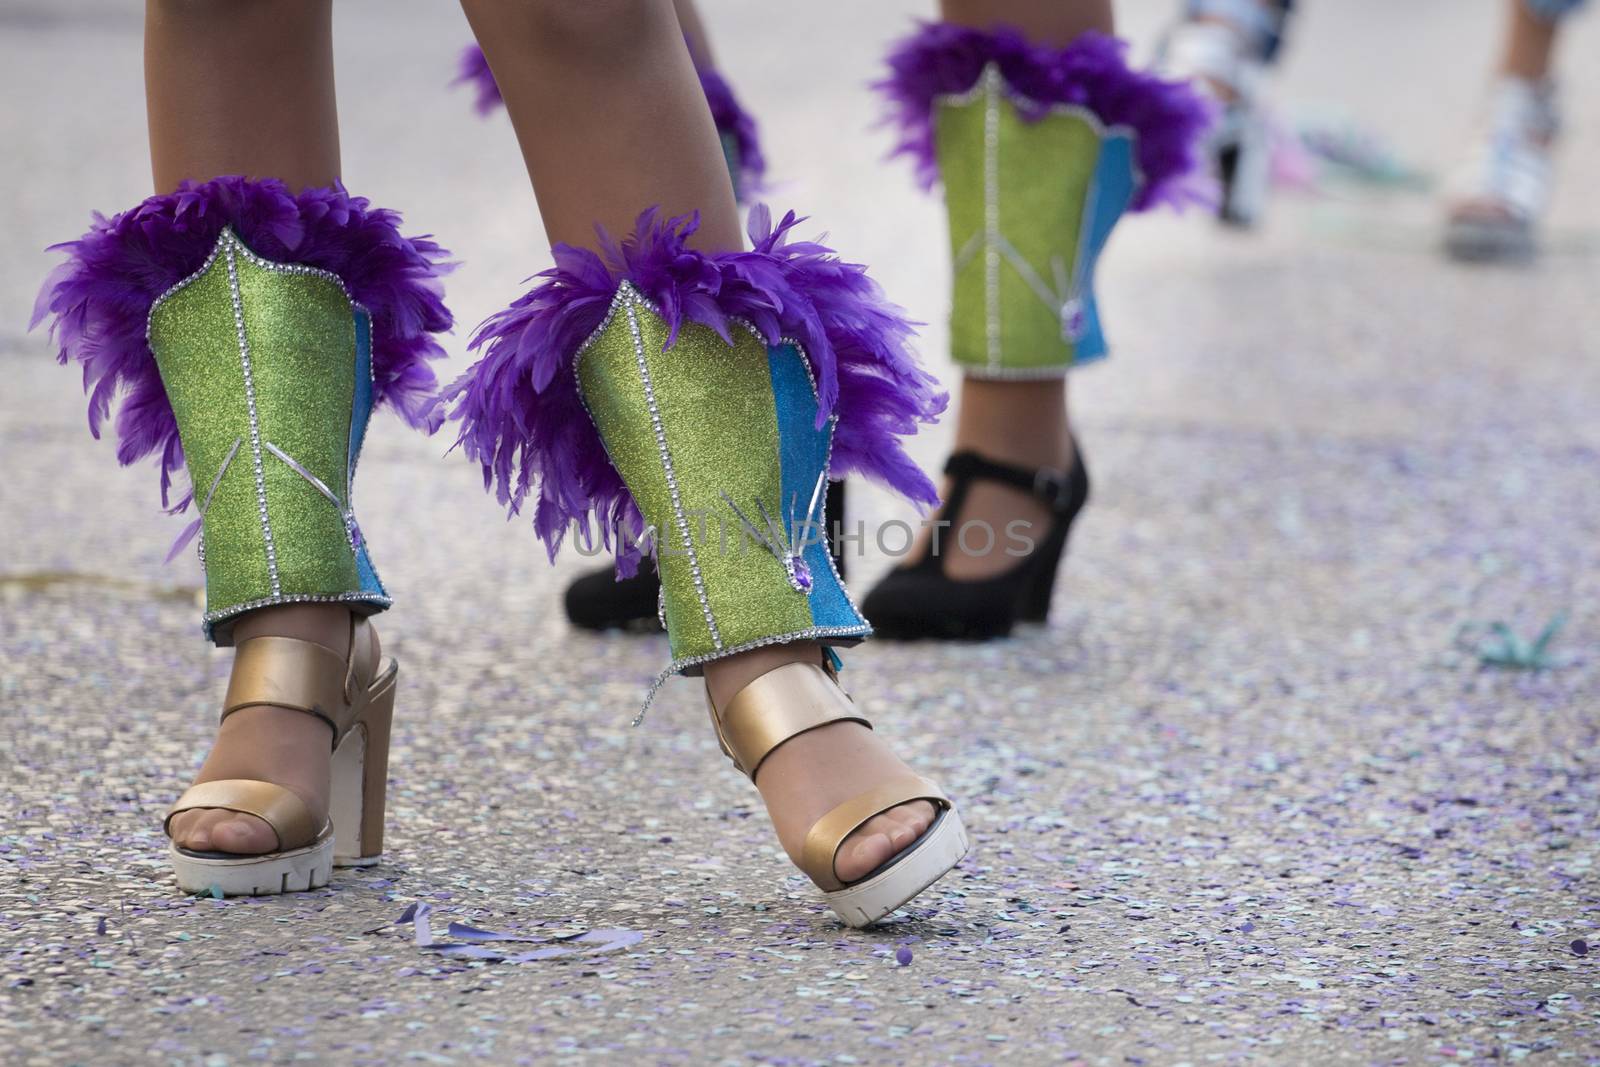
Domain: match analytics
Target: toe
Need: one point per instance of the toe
(916, 816)
(213, 830)
(190, 830)
(243, 834)
(880, 838)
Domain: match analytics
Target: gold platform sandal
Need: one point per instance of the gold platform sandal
(797, 697)
(356, 699)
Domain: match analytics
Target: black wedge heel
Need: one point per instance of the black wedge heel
(918, 602)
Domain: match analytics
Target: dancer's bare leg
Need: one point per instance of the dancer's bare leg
(611, 119)
(1530, 43)
(246, 87)
(1024, 423)
(694, 32)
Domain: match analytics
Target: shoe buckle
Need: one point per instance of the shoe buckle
(1053, 486)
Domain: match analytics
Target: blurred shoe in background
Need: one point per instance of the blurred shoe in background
(1504, 187)
(1226, 47)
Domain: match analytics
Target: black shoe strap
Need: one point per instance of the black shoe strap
(1052, 485)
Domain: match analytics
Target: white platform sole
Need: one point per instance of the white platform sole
(933, 856)
(256, 876)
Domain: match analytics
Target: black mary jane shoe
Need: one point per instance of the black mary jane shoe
(599, 600)
(918, 601)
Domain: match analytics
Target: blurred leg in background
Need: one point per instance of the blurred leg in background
(1228, 46)
(631, 350)
(1042, 137)
(1503, 188)
(599, 600)
(254, 312)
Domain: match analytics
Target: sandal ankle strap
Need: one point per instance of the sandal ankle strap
(1056, 487)
(286, 672)
(779, 705)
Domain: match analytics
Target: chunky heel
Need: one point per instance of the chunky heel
(361, 778)
(1034, 603)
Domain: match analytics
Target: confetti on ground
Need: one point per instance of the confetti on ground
(1229, 807)
(470, 940)
(1497, 645)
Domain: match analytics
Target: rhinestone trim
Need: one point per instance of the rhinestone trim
(1027, 103)
(211, 618)
(627, 298)
(237, 298)
(990, 88)
(347, 515)
(991, 212)
(231, 247)
(216, 483)
(1023, 374)
(827, 460)
(680, 518)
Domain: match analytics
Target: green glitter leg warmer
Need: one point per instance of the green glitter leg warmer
(1032, 200)
(268, 367)
(719, 447)
(660, 399)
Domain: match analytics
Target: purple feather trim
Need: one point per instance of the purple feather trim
(523, 419)
(1168, 118)
(101, 297)
(473, 69)
(732, 120)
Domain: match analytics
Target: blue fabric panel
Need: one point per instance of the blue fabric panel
(803, 452)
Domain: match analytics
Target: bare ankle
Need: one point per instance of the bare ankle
(1018, 422)
(725, 677)
(325, 624)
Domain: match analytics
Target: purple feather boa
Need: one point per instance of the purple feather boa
(101, 297)
(523, 419)
(1168, 117)
(732, 120)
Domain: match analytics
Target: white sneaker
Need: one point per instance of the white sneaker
(1501, 193)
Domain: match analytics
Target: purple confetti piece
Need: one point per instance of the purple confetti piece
(473, 933)
(547, 953)
(609, 940)
(100, 928)
(1246, 926)
(422, 931)
(406, 916)
(470, 952)
(903, 956)
(1580, 947)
